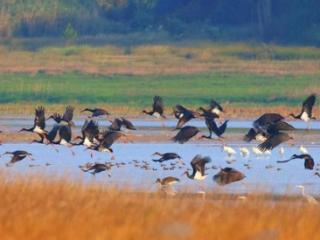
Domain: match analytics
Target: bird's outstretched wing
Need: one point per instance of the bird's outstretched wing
(273, 141)
(68, 114)
(40, 119)
(308, 104)
(158, 105)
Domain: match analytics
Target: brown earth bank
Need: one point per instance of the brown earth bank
(34, 207)
(231, 111)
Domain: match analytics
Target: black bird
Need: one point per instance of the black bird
(228, 175)
(260, 125)
(90, 134)
(96, 112)
(18, 156)
(95, 167)
(198, 167)
(39, 124)
(212, 125)
(66, 118)
(157, 108)
(275, 136)
(185, 134)
(117, 123)
(306, 111)
(215, 107)
(106, 140)
(183, 115)
(166, 156)
(308, 160)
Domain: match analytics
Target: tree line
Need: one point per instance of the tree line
(283, 21)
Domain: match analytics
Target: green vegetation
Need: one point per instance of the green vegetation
(136, 91)
(285, 21)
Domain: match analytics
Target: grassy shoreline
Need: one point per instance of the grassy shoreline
(36, 207)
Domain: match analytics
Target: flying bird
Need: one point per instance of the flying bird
(228, 175)
(308, 160)
(198, 168)
(306, 111)
(157, 108)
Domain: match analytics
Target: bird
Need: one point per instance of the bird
(259, 130)
(212, 125)
(275, 135)
(183, 115)
(306, 110)
(17, 156)
(95, 167)
(310, 199)
(308, 160)
(167, 181)
(157, 108)
(117, 124)
(229, 150)
(185, 134)
(281, 151)
(198, 167)
(106, 140)
(215, 107)
(257, 152)
(303, 150)
(166, 156)
(38, 125)
(228, 175)
(244, 152)
(90, 134)
(66, 118)
(96, 112)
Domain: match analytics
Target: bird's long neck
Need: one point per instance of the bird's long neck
(26, 130)
(294, 116)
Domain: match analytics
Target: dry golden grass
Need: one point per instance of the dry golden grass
(38, 208)
(159, 59)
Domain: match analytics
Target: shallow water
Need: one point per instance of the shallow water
(278, 179)
(264, 174)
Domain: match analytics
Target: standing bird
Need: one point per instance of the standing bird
(183, 115)
(185, 134)
(18, 156)
(228, 175)
(157, 108)
(306, 111)
(308, 160)
(198, 168)
(96, 112)
(244, 152)
(303, 149)
(39, 124)
(229, 150)
(310, 199)
(165, 156)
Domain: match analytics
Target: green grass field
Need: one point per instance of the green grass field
(136, 91)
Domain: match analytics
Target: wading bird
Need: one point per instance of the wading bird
(308, 160)
(228, 175)
(310, 199)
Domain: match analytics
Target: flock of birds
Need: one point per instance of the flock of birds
(270, 129)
